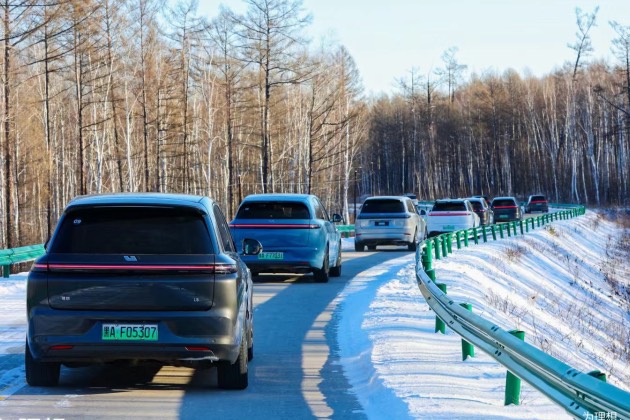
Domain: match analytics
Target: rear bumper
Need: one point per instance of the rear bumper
(400, 236)
(295, 260)
(80, 332)
(441, 228)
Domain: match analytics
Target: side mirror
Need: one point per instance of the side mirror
(251, 247)
(336, 218)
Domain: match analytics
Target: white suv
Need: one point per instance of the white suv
(451, 215)
(388, 220)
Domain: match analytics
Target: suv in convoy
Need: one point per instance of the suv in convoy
(506, 209)
(483, 210)
(388, 220)
(449, 215)
(141, 277)
(295, 231)
(537, 203)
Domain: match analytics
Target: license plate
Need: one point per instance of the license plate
(503, 216)
(381, 223)
(139, 332)
(448, 227)
(271, 256)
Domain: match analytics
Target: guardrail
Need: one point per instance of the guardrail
(18, 255)
(582, 395)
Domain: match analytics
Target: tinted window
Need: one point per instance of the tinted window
(273, 210)
(538, 198)
(320, 212)
(133, 231)
(449, 206)
(503, 202)
(383, 206)
(477, 205)
(224, 231)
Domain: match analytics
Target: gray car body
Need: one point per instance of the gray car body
(209, 313)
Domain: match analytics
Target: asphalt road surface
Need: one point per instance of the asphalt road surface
(295, 372)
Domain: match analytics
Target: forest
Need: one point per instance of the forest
(104, 96)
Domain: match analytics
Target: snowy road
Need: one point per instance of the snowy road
(295, 372)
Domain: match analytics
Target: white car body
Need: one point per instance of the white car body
(450, 215)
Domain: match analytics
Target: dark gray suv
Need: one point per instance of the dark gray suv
(141, 277)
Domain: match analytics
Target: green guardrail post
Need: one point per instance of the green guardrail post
(501, 230)
(520, 224)
(449, 243)
(427, 258)
(475, 236)
(436, 246)
(494, 232)
(431, 274)
(444, 247)
(468, 350)
(598, 374)
(527, 225)
(509, 229)
(513, 382)
(440, 326)
(6, 271)
(484, 233)
(458, 240)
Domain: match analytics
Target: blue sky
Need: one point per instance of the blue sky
(389, 37)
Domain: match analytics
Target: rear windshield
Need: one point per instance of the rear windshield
(132, 231)
(273, 210)
(538, 198)
(383, 206)
(505, 202)
(449, 206)
(477, 205)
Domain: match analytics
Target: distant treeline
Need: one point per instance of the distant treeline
(133, 95)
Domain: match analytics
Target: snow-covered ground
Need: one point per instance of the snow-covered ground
(555, 283)
(560, 284)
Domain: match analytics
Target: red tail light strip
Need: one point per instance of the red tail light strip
(449, 214)
(61, 347)
(274, 226)
(217, 268)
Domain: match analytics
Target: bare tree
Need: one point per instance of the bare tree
(582, 45)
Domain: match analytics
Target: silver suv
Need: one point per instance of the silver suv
(389, 220)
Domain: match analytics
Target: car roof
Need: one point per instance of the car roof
(138, 198)
(388, 197)
(451, 200)
(504, 198)
(278, 197)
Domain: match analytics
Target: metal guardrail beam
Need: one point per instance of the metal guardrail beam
(580, 394)
(18, 255)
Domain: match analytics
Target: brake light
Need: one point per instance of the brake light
(197, 348)
(39, 267)
(216, 268)
(62, 347)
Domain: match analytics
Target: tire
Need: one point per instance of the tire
(250, 347)
(358, 246)
(413, 245)
(371, 247)
(321, 274)
(336, 270)
(40, 373)
(235, 376)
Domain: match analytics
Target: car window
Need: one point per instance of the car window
(132, 231)
(383, 206)
(477, 205)
(504, 202)
(224, 231)
(273, 210)
(538, 198)
(410, 207)
(449, 206)
(320, 212)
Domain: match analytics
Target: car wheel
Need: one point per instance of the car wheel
(321, 274)
(250, 342)
(336, 270)
(40, 373)
(235, 376)
(371, 247)
(411, 246)
(358, 246)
